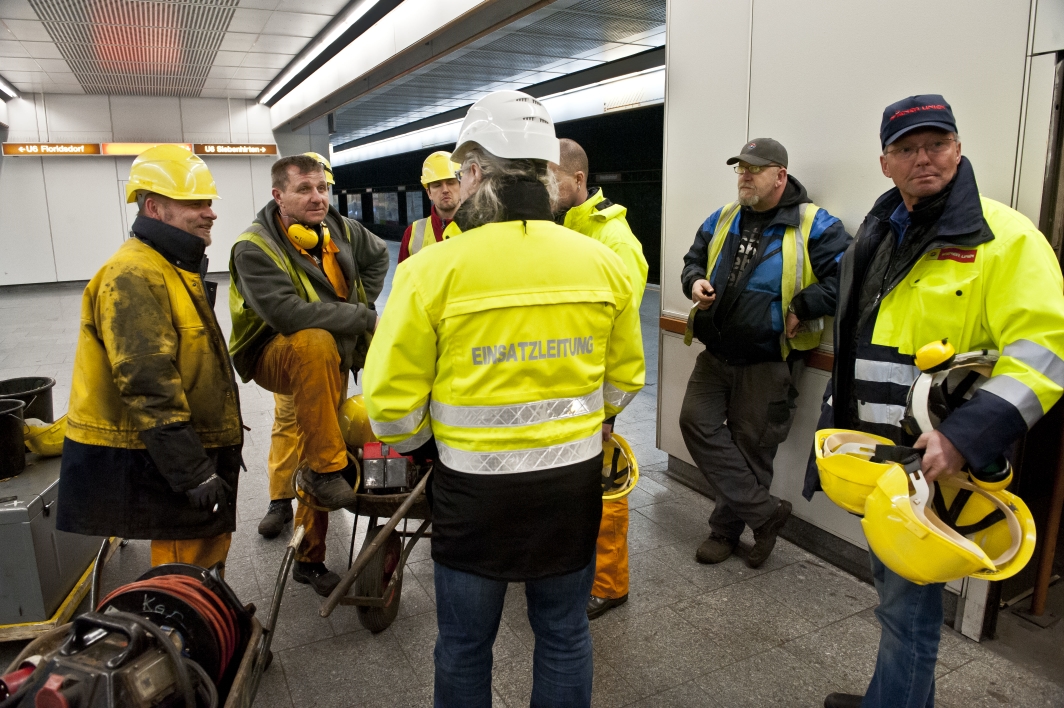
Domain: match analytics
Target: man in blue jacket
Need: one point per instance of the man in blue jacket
(762, 274)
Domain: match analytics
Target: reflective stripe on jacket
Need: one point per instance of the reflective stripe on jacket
(797, 271)
(417, 235)
(605, 222)
(149, 354)
(511, 351)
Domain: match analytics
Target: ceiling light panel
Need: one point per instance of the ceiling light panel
(127, 47)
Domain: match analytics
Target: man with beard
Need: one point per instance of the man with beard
(762, 274)
(303, 283)
(440, 179)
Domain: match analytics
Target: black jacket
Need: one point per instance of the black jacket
(749, 329)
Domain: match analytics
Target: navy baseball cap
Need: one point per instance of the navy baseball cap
(927, 111)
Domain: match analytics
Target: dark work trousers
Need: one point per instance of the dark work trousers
(733, 419)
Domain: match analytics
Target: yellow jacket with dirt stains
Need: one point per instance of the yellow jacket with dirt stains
(605, 222)
(149, 354)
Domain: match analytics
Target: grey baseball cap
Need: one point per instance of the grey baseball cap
(761, 151)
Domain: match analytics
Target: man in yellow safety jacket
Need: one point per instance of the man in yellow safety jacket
(592, 214)
(303, 280)
(505, 348)
(440, 180)
(935, 260)
(153, 434)
(762, 274)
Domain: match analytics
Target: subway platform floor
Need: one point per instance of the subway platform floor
(723, 636)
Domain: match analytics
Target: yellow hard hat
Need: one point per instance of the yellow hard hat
(620, 469)
(847, 474)
(354, 422)
(437, 167)
(44, 439)
(916, 542)
(324, 165)
(172, 171)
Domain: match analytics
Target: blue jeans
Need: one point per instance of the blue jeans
(911, 618)
(468, 610)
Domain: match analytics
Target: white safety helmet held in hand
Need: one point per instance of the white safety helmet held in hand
(511, 125)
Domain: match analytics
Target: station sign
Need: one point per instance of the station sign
(234, 149)
(51, 149)
(131, 149)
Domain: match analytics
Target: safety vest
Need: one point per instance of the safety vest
(510, 375)
(797, 270)
(417, 235)
(248, 325)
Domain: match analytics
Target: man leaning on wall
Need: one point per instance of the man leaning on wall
(762, 274)
(153, 434)
(303, 283)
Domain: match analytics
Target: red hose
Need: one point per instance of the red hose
(219, 617)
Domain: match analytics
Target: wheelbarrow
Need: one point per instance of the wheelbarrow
(377, 573)
(254, 660)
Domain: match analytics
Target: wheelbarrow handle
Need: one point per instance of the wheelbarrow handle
(263, 651)
(348, 580)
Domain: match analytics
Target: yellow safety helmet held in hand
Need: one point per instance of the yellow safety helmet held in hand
(354, 422)
(847, 474)
(172, 171)
(620, 469)
(44, 439)
(912, 539)
(438, 167)
(325, 165)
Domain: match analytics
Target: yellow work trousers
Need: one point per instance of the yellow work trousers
(203, 552)
(286, 448)
(611, 560)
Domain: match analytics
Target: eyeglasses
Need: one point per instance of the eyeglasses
(458, 174)
(909, 152)
(752, 169)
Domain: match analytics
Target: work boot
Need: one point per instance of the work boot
(330, 489)
(715, 549)
(765, 535)
(279, 514)
(598, 606)
(317, 576)
(843, 700)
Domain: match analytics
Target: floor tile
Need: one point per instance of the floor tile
(773, 678)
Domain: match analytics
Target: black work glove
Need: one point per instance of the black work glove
(210, 495)
(178, 454)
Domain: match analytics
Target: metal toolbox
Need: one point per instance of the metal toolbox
(38, 564)
(384, 468)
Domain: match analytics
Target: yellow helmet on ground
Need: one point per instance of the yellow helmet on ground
(44, 439)
(991, 536)
(620, 469)
(172, 171)
(844, 460)
(354, 422)
(325, 165)
(438, 167)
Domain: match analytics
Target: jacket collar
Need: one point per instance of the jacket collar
(522, 200)
(269, 218)
(962, 220)
(180, 248)
(584, 212)
(787, 210)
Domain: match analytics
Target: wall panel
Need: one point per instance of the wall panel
(1032, 173)
(83, 209)
(25, 236)
(141, 119)
(235, 209)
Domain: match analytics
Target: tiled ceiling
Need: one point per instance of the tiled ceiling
(563, 37)
(208, 48)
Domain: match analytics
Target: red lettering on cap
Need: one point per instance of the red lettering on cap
(961, 255)
(752, 145)
(915, 109)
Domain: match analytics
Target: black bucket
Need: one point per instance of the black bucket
(35, 392)
(12, 449)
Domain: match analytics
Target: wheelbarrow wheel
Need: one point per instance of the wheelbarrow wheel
(375, 577)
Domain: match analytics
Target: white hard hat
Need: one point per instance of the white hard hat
(511, 125)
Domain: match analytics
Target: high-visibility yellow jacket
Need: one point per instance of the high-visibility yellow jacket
(604, 221)
(985, 278)
(510, 345)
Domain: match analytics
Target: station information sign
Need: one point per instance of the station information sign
(134, 149)
(51, 149)
(234, 149)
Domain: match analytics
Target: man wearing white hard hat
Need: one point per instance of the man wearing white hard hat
(439, 177)
(500, 364)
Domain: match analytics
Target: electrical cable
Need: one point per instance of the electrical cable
(219, 617)
(211, 699)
